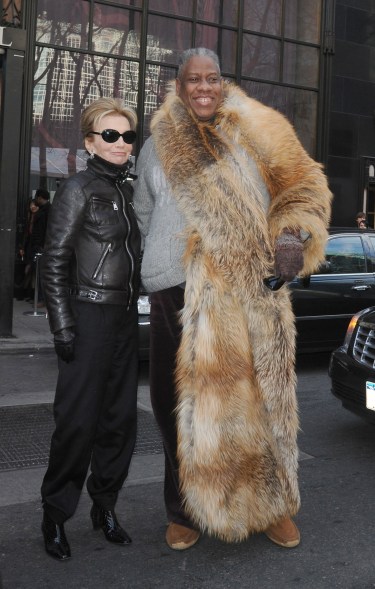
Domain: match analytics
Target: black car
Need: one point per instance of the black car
(352, 368)
(324, 302)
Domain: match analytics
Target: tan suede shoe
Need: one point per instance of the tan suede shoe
(284, 533)
(179, 537)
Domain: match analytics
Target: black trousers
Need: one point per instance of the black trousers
(95, 410)
(165, 335)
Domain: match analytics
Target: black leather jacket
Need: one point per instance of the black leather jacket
(92, 247)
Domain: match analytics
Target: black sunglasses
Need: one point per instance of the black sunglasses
(111, 136)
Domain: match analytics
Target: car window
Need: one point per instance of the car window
(344, 255)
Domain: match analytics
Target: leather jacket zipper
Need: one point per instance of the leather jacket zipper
(105, 253)
(127, 247)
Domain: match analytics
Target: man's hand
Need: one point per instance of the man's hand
(64, 344)
(288, 255)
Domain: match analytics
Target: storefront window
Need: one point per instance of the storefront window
(156, 79)
(302, 20)
(301, 65)
(263, 16)
(261, 57)
(11, 13)
(177, 7)
(299, 106)
(63, 23)
(281, 45)
(137, 3)
(167, 38)
(65, 82)
(224, 12)
(116, 31)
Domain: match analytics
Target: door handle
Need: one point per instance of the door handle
(361, 287)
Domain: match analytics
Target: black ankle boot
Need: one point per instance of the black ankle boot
(107, 521)
(55, 540)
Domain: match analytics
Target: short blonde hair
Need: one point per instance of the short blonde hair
(93, 114)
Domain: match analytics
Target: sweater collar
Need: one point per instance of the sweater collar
(116, 173)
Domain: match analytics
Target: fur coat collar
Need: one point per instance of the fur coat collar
(237, 412)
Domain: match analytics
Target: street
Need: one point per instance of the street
(336, 518)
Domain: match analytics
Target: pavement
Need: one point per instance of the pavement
(337, 519)
(31, 331)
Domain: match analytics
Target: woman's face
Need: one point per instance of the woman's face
(115, 153)
(33, 207)
(201, 87)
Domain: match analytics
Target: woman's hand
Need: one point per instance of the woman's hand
(64, 344)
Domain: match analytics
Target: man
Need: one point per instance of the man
(226, 195)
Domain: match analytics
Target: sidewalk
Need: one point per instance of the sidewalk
(30, 333)
(31, 336)
(336, 481)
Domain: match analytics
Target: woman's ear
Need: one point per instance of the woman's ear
(88, 144)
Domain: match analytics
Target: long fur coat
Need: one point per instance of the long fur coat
(237, 412)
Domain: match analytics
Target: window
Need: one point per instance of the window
(90, 48)
(344, 255)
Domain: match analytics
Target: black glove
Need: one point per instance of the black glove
(288, 255)
(64, 344)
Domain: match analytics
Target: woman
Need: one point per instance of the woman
(225, 193)
(90, 276)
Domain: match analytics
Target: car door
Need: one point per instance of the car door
(344, 285)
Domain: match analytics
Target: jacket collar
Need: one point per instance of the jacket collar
(118, 174)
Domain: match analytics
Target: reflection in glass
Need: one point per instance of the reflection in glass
(11, 13)
(178, 7)
(67, 80)
(263, 16)
(222, 41)
(64, 84)
(116, 31)
(344, 255)
(157, 78)
(167, 38)
(299, 106)
(302, 20)
(223, 12)
(137, 3)
(228, 51)
(63, 23)
(301, 65)
(260, 57)
(207, 36)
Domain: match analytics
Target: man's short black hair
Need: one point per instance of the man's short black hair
(43, 193)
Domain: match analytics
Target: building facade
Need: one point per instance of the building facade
(351, 154)
(312, 60)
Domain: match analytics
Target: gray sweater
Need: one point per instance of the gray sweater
(161, 224)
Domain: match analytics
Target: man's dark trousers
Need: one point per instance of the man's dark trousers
(165, 337)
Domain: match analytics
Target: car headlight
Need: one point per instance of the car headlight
(352, 325)
(144, 305)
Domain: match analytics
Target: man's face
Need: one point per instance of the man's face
(201, 87)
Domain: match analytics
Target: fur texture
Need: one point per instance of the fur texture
(237, 412)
